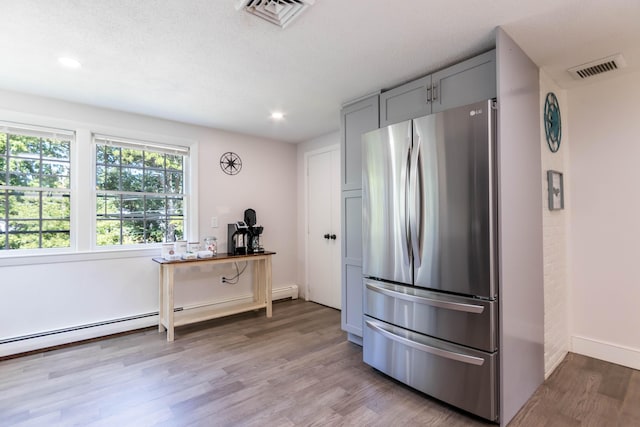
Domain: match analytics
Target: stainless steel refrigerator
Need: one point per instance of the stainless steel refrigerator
(429, 256)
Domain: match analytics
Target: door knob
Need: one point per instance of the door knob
(326, 236)
(333, 237)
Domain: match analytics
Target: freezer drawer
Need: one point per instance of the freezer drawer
(466, 321)
(460, 376)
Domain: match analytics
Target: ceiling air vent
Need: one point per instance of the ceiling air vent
(604, 65)
(279, 12)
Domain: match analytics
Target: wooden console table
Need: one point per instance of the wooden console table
(169, 318)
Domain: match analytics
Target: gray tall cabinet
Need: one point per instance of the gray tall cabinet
(507, 74)
(356, 118)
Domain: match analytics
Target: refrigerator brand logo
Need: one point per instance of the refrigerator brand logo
(474, 112)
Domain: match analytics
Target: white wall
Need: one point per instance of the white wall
(318, 143)
(604, 216)
(555, 231)
(74, 290)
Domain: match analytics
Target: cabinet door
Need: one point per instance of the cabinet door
(465, 83)
(356, 119)
(405, 102)
(352, 262)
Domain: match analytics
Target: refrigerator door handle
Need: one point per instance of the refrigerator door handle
(405, 213)
(448, 305)
(464, 358)
(415, 201)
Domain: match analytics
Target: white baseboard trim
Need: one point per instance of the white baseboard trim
(85, 332)
(614, 353)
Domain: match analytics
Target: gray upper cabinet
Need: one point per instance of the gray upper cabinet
(405, 102)
(461, 84)
(470, 81)
(356, 118)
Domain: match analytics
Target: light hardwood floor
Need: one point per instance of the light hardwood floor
(296, 369)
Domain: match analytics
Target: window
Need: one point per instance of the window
(35, 191)
(140, 194)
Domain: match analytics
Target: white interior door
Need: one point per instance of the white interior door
(323, 228)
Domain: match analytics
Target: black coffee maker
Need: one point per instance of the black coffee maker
(254, 232)
(238, 236)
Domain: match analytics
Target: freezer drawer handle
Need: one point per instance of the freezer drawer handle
(471, 360)
(467, 308)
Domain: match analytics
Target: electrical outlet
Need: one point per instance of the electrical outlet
(222, 280)
(214, 222)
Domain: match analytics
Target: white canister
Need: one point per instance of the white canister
(180, 247)
(193, 247)
(168, 251)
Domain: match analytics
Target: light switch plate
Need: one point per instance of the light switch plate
(214, 222)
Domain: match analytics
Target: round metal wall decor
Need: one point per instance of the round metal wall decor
(230, 163)
(552, 122)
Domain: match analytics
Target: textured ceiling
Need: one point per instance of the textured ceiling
(204, 62)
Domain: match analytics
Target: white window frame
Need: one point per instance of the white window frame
(124, 142)
(44, 131)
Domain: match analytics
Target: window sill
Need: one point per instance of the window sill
(7, 260)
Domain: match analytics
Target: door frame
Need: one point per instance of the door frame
(327, 149)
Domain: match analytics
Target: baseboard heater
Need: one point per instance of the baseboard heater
(77, 328)
(285, 292)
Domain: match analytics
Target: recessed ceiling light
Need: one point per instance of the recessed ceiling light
(277, 115)
(69, 62)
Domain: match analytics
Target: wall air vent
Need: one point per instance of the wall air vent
(279, 12)
(604, 65)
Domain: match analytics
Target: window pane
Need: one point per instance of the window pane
(56, 240)
(174, 206)
(174, 182)
(132, 231)
(155, 230)
(53, 149)
(108, 233)
(56, 206)
(131, 179)
(153, 181)
(155, 207)
(112, 179)
(58, 225)
(131, 157)
(24, 205)
(55, 168)
(153, 160)
(24, 240)
(24, 226)
(106, 155)
(174, 162)
(132, 207)
(24, 146)
(108, 207)
(176, 225)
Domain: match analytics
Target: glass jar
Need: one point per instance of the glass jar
(211, 244)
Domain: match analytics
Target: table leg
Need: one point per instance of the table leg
(170, 303)
(161, 310)
(267, 279)
(257, 284)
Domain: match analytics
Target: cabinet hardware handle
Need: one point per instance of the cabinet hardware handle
(333, 237)
(326, 236)
(429, 94)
